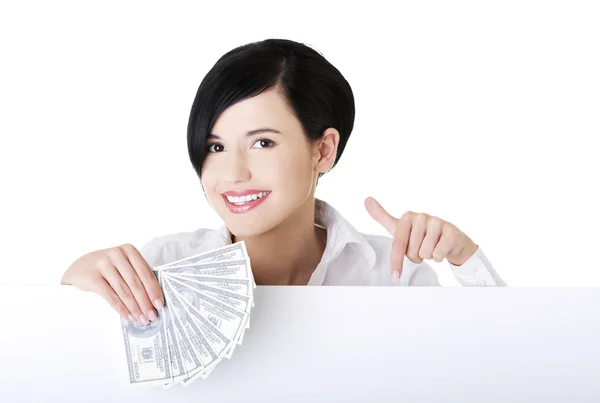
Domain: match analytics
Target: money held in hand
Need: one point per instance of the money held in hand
(208, 299)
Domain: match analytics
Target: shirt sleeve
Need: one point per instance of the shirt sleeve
(154, 251)
(477, 272)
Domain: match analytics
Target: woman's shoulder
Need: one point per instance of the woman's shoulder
(167, 248)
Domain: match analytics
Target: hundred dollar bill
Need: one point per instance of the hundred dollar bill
(236, 251)
(242, 286)
(204, 351)
(228, 320)
(175, 362)
(242, 302)
(147, 351)
(229, 252)
(180, 360)
(190, 356)
(217, 341)
(201, 370)
(230, 269)
(239, 268)
(235, 300)
(239, 286)
(188, 361)
(203, 326)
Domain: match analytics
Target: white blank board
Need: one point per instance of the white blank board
(349, 344)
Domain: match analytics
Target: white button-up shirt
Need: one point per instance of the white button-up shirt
(350, 257)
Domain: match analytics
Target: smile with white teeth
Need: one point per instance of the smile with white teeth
(241, 200)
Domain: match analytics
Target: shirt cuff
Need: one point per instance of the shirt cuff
(477, 272)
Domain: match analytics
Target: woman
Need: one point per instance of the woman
(268, 120)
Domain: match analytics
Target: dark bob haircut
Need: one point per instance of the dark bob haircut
(315, 91)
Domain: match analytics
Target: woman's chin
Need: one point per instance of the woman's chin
(246, 229)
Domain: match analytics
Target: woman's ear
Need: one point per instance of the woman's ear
(326, 150)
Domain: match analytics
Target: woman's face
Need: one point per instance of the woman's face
(276, 169)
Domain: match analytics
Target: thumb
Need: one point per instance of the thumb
(380, 215)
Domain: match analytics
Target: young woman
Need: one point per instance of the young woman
(268, 120)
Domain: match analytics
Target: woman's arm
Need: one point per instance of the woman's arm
(477, 271)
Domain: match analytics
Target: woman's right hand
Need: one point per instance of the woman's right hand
(123, 278)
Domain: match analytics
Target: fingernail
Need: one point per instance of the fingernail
(131, 318)
(152, 316)
(158, 304)
(144, 320)
(396, 274)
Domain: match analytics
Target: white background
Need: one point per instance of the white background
(484, 114)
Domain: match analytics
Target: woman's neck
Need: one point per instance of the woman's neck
(289, 253)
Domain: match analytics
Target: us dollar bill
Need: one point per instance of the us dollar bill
(147, 350)
(229, 252)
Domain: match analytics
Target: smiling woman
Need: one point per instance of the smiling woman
(268, 120)
(258, 146)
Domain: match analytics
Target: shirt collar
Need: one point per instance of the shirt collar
(339, 234)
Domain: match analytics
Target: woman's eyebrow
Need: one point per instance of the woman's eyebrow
(250, 133)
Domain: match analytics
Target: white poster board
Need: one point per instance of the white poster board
(346, 344)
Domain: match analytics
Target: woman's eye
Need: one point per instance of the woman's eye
(265, 143)
(215, 148)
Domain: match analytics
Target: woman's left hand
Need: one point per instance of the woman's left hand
(421, 236)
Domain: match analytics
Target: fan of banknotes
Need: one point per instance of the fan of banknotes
(208, 298)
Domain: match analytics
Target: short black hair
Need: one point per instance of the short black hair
(315, 91)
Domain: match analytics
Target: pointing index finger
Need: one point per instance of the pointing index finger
(379, 214)
(400, 245)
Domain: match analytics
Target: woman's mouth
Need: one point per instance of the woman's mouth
(246, 202)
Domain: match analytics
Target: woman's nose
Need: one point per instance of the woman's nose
(236, 168)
